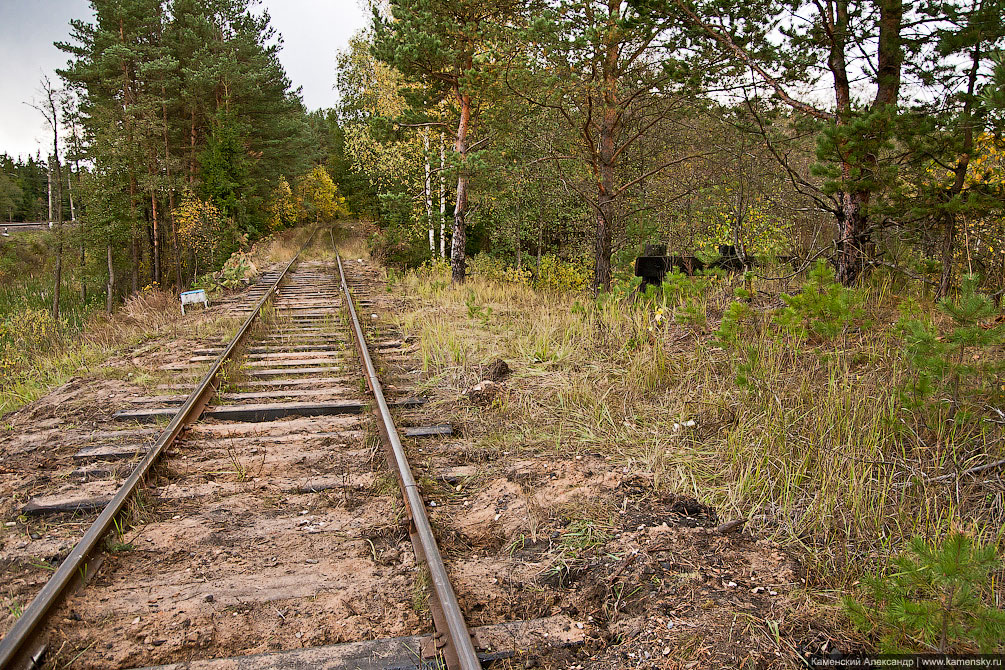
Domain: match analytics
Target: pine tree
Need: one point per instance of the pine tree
(444, 44)
(931, 599)
(612, 72)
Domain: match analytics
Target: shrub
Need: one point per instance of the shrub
(559, 275)
(495, 269)
(931, 599)
(823, 310)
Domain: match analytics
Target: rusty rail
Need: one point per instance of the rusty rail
(452, 631)
(16, 648)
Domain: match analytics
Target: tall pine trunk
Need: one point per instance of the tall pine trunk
(134, 236)
(129, 99)
(155, 236)
(457, 259)
(173, 229)
(605, 164)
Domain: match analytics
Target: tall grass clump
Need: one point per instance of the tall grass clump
(819, 412)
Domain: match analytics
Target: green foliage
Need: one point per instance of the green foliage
(559, 275)
(931, 600)
(940, 358)
(734, 319)
(496, 269)
(476, 311)
(823, 310)
(224, 166)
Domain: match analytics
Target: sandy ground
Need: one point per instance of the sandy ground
(38, 443)
(286, 534)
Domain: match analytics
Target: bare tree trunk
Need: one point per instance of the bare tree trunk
(55, 198)
(134, 240)
(429, 198)
(155, 238)
(457, 257)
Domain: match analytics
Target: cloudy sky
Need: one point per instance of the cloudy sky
(313, 31)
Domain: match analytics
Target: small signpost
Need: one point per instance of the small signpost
(191, 297)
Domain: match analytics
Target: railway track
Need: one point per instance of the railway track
(275, 536)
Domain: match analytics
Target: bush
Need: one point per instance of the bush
(823, 310)
(559, 275)
(495, 269)
(236, 270)
(393, 246)
(931, 599)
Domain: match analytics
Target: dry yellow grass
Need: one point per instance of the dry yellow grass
(815, 449)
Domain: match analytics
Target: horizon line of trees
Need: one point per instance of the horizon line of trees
(865, 131)
(178, 139)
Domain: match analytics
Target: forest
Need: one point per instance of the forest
(826, 362)
(562, 135)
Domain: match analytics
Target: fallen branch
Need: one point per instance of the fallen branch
(969, 471)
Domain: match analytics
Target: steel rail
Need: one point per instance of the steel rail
(14, 645)
(456, 628)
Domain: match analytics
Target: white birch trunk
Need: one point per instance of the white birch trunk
(443, 198)
(429, 198)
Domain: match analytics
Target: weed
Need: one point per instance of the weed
(15, 608)
(118, 542)
(476, 311)
(420, 591)
(240, 472)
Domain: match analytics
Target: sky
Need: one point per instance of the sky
(313, 32)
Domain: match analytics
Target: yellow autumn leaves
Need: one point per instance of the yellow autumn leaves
(316, 197)
(24, 331)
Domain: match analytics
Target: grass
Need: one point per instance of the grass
(420, 591)
(811, 441)
(38, 353)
